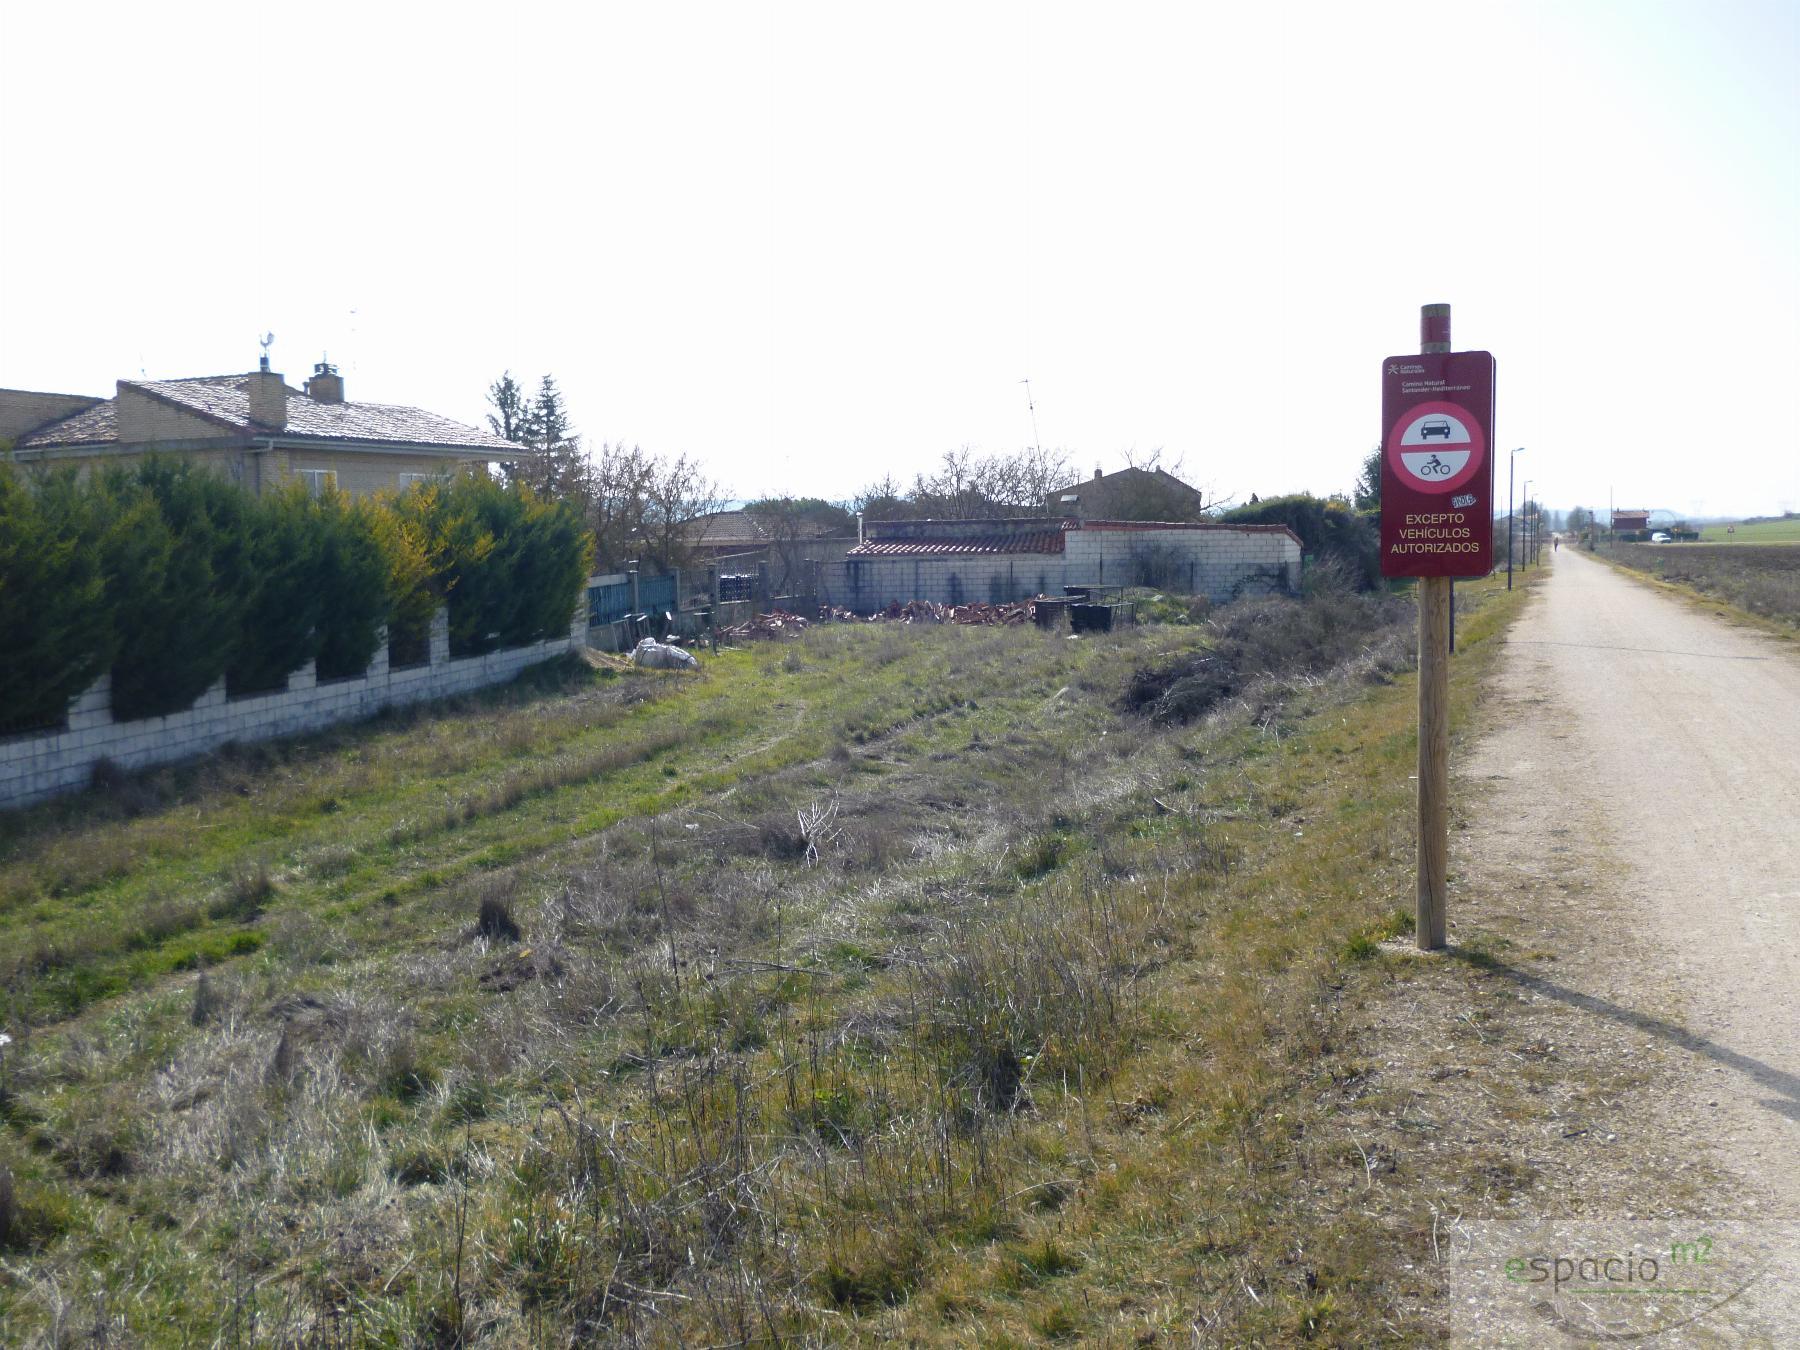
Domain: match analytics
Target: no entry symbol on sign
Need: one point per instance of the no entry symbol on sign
(1437, 447)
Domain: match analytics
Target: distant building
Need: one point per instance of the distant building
(1129, 494)
(253, 428)
(1630, 522)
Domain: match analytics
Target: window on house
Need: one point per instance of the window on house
(408, 479)
(318, 481)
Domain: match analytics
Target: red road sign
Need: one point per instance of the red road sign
(1437, 465)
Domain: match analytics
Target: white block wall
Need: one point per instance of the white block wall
(33, 768)
(1220, 562)
(866, 584)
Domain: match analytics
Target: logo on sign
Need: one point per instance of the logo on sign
(1463, 499)
(1436, 447)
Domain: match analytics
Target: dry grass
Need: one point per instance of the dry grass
(1762, 579)
(908, 989)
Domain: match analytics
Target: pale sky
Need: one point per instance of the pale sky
(811, 244)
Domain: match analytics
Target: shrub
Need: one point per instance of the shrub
(289, 595)
(410, 562)
(172, 577)
(54, 623)
(1329, 532)
(179, 580)
(356, 572)
(1273, 637)
(509, 565)
(495, 921)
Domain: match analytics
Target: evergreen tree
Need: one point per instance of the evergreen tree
(556, 466)
(179, 582)
(1367, 494)
(560, 470)
(55, 622)
(287, 600)
(356, 578)
(512, 409)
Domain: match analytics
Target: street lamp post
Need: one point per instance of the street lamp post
(1525, 506)
(1510, 461)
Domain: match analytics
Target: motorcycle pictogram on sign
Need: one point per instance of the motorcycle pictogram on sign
(1437, 447)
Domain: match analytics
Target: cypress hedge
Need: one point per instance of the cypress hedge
(54, 615)
(172, 576)
(508, 563)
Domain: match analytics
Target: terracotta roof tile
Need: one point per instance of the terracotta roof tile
(1035, 541)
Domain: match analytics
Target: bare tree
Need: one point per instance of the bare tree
(619, 490)
(789, 524)
(677, 492)
(971, 486)
(884, 500)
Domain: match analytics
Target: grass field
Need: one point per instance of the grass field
(890, 983)
(1784, 531)
(1763, 580)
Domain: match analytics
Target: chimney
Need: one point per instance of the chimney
(326, 385)
(1097, 474)
(268, 397)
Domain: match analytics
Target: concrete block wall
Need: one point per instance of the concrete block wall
(33, 768)
(867, 584)
(1222, 562)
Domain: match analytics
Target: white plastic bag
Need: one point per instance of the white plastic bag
(660, 656)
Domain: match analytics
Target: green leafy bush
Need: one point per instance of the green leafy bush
(172, 576)
(410, 563)
(54, 620)
(509, 564)
(356, 575)
(1331, 534)
(179, 577)
(288, 597)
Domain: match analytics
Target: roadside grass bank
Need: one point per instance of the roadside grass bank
(888, 982)
(1758, 583)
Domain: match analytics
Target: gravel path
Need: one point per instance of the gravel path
(1654, 749)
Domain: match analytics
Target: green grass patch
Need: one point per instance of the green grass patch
(913, 989)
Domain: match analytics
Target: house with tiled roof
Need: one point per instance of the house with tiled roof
(721, 533)
(1128, 494)
(253, 428)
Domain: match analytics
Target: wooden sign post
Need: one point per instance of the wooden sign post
(1437, 524)
(1434, 713)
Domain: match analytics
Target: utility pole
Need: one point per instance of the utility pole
(1525, 524)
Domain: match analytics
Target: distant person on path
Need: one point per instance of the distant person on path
(1555, 542)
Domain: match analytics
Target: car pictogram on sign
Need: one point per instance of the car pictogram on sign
(1438, 426)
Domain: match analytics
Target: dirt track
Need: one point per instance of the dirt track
(1653, 750)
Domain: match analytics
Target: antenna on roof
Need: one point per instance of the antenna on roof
(267, 340)
(1036, 444)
